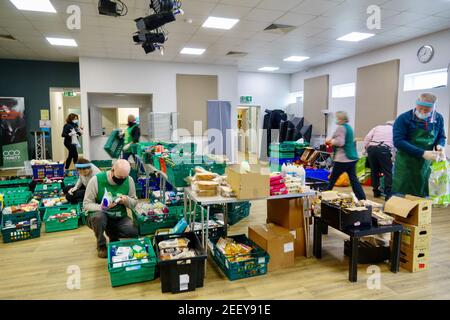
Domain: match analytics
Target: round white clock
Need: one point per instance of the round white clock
(425, 53)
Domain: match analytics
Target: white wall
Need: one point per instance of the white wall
(344, 71)
(146, 77)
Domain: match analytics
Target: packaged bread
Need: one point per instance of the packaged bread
(206, 185)
(174, 243)
(207, 193)
(205, 176)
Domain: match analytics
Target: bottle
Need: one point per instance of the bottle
(302, 174)
(283, 169)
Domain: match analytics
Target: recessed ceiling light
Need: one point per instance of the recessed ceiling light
(268, 69)
(355, 36)
(192, 51)
(220, 23)
(296, 58)
(62, 42)
(34, 5)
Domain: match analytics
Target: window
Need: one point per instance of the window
(294, 95)
(425, 80)
(343, 90)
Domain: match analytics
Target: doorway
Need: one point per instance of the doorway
(63, 101)
(248, 133)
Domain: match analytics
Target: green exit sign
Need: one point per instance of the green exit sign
(70, 94)
(246, 99)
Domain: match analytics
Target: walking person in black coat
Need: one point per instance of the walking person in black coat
(71, 132)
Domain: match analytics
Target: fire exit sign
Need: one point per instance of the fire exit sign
(69, 94)
(246, 99)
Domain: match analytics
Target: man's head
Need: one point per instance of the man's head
(120, 171)
(131, 118)
(84, 167)
(425, 103)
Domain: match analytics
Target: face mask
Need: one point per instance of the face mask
(75, 121)
(118, 181)
(422, 116)
(130, 124)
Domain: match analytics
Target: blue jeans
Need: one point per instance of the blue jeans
(350, 168)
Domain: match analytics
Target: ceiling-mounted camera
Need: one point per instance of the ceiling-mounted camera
(113, 8)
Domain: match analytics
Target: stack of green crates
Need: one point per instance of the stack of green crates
(14, 182)
(236, 211)
(55, 225)
(13, 234)
(102, 164)
(139, 148)
(121, 274)
(284, 150)
(114, 144)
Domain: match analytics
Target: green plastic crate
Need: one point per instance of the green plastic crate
(149, 227)
(218, 168)
(102, 163)
(54, 225)
(255, 266)
(139, 148)
(114, 144)
(6, 191)
(23, 233)
(14, 182)
(236, 211)
(47, 187)
(14, 199)
(134, 273)
(287, 146)
(178, 172)
(282, 155)
(70, 181)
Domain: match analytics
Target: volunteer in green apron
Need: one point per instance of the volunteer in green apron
(107, 197)
(131, 136)
(419, 136)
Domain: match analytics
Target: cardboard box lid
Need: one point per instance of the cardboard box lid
(329, 195)
(271, 231)
(417, 199)
(399, 206)
(254, 169)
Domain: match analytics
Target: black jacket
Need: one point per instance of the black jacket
(67, 129)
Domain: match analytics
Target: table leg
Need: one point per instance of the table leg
(306, 228)
(353, 260)
(225, 219)
(317, 238)
(190, 210)
(395, 254)
(185, 205)
(207, 232)
(203, 225)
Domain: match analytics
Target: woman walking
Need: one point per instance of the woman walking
(71, 132)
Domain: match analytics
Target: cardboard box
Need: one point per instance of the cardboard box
(411, 210)
(414, 259)
(287, 213)
(299, 242)
(307, 154)
(249, 185)
(416, 236)
(277, 241)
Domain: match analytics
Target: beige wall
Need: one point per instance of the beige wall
(193, 92)
(316, 91)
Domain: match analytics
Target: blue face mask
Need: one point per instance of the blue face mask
(422, 116)
(75, 121)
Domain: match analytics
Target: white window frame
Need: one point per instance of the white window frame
(294, 95)
(345, 90)
(425, 80)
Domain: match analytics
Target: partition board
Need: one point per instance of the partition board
(376, 95)
(193, 92)
(316, 94)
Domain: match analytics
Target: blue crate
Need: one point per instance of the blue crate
(319, 174)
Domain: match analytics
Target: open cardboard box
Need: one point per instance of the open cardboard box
(412, 210)
(254, 184)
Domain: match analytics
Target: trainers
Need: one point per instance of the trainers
(102, 252)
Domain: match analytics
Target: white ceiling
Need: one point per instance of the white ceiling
(318, 22)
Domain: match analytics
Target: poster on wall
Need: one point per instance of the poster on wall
(13, 132)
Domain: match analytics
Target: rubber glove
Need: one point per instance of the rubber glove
(430, 155)
(71, 191)
(126, 147)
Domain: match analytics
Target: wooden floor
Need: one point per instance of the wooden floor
(37, 269)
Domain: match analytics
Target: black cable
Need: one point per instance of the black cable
(122, 8)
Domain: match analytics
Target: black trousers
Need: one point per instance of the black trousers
(350, 168)
(77, 196)
(73, 154)
(380, 159)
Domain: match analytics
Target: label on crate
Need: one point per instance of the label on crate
(262, 260)
(184, 282)
(294, 233)
(288, 247)
(132, 268)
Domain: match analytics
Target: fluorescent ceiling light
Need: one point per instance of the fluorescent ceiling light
(192, 51)
(268, 69)
(62, 42)
(296, 59)
(220, 23)
(34, 5)
(355, 36)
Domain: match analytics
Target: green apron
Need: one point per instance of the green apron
(128, 137)
(349, 146)
(411, 174)
(120, 210)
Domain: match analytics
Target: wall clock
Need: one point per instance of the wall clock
(425, 53)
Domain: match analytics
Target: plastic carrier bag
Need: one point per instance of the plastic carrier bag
(439, 183)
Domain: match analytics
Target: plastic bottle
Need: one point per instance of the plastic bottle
(284, 169)
(302, 174)
(291, 170)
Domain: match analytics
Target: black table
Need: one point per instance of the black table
(355, 234)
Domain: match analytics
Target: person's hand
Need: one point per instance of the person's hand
(71, 191)
(121, 200)
(328, 141)
(126, 147)
(430, 155)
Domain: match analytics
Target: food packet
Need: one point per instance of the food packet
(174, 243)
(107, 199)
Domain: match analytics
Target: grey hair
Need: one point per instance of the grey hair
(427, 97)
(342, 116)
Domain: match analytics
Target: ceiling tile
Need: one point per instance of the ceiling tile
(264, 15)
(314, 7)
(285, 5)
(295, 19)
(227, 11)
